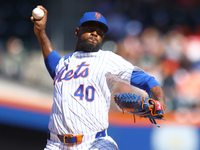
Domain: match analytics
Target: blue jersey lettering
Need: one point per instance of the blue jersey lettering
(65, 74)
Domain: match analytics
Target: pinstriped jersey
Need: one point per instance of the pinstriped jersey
(82, 91)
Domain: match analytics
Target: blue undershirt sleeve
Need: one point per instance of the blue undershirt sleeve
(51, 62)
(143, 81)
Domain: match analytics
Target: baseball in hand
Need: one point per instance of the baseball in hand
(37, 13)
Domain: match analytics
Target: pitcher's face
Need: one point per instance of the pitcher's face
(90, 36)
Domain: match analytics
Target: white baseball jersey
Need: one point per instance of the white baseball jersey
(82, 91)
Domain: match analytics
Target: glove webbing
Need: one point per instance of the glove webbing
(130, 96)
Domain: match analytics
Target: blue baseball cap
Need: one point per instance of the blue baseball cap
(94, 16)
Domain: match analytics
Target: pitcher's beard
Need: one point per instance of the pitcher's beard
(88, 47)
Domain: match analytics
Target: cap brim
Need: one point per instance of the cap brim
(105, 27)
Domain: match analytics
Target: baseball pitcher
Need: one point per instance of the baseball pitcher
(83, 82)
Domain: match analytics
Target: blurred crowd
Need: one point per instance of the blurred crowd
(164, 42)
(161, 37)
(23, 66)
(172, 58)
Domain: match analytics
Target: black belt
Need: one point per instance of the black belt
(70, 139)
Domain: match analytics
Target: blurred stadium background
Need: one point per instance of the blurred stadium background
(162, 37)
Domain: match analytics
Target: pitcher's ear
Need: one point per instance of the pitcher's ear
(76, 31)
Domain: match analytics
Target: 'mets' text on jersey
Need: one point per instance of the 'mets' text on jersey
(82, 89)
(65, 74)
